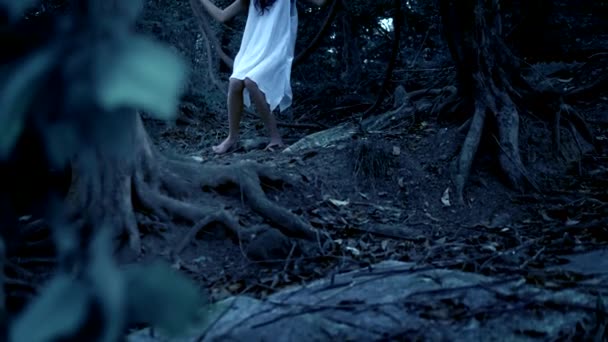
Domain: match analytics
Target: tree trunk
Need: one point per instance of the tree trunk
(351, 55)
(487, 73)
(492, 87)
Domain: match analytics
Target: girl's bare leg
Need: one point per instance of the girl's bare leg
(235, 109)
(264, 111)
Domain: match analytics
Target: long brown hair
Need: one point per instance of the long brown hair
(263, 5)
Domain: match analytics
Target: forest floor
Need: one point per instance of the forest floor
(555, 239)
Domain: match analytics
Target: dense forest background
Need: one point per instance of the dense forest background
(458, 135)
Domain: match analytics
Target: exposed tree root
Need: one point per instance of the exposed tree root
(469, 149)
(220, 216)
(491, 84)
(248, 176)
(450, 105)
(575, 119)
(496, 101)
(109, 188)
(346, 131)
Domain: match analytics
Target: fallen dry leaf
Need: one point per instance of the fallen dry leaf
(396, 150)
(384, 245)
(445, 199)
(571, 222)
(339, 203)
(353, 251)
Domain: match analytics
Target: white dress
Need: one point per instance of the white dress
(267, 52)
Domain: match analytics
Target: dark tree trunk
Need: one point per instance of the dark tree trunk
(351, 56)
(492, 87)
(487, 73)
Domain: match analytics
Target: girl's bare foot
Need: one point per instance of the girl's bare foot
(226, 146)
(275, 143)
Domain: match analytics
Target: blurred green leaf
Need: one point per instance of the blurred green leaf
(2, 293)
(16, 8)
(162, 297)
(17, 91)
(57, 312)
(62, 142)
(142, 74)
(107, 283)
(130, 9)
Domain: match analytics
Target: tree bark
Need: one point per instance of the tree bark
(351, 56)
(491, 86)
(487, 74)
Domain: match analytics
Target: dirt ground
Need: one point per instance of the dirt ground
(401, 207)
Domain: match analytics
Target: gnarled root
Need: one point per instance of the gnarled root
(469, 149)
(248, 176)
(490, 81)
(108, 188)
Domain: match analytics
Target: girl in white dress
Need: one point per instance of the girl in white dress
(262, 67)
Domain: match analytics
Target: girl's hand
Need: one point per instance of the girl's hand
(223, 15)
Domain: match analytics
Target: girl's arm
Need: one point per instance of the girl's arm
(223, 15)
(318, 2)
